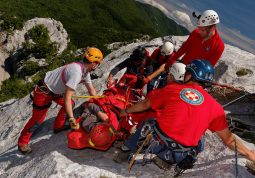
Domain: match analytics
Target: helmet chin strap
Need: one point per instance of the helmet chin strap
(185, 78)
(187, 81)
(95, 66)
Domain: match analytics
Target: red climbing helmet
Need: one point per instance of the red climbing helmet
(101, 135)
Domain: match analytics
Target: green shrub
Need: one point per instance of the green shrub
(96, 22)
(11, 23)
(41, 47)
(242, 72)
(30, 68)
(14, 88)
(38, 34)
(38, 76)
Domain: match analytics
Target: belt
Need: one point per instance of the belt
(44, 88)
(170, 143)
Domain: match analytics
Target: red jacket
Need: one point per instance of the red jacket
(158, 59)
(194, 48)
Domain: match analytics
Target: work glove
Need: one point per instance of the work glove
(74, 125)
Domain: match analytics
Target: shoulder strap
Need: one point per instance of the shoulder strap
(63, 74)
(158, 56)
(80, 64)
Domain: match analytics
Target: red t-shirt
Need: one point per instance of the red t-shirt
(195, 48)
(162, 58)
(187, 112)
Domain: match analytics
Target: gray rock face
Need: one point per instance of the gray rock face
(117, 45)
(52, 158)
(3, 37)
(3, 73)
(12, 42)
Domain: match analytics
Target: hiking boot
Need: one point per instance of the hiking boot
(121, 155)
(25, 149)
(65, 127)
(161, 163)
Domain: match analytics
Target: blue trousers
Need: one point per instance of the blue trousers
(158, 148)
(161, 79)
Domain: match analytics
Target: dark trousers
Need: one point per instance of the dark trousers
(158, 148)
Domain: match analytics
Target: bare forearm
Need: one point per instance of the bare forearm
(241, 148)
(68, 107)
(68, 102)
(154, 74)
(91, 89)
(93, 92)
(142, 106)
(229, 140)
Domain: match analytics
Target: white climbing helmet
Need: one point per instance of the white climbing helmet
(167, 48)
(178, 71)
(209, 17)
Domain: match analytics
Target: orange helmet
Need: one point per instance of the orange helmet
(93, 55)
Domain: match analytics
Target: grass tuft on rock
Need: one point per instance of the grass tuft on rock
(243, 71)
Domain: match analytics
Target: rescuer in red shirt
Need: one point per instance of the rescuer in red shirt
(204, 42)
(160, 56)
(187, 111)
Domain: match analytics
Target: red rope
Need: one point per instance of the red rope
(227, 86)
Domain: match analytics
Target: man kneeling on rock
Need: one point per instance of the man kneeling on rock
(59, 85)
(187, 112)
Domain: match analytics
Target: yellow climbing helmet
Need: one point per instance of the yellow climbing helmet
(93, 55)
